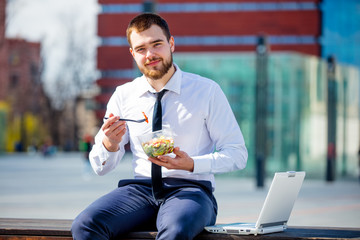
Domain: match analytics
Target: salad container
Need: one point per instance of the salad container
(157, 143)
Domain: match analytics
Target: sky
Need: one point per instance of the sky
(38, 18)
(46, 21)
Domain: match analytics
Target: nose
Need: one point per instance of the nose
(149, 53)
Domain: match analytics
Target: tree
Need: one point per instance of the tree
(75, 74)
(68, 54)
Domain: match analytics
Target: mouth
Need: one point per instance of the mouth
(152, 62)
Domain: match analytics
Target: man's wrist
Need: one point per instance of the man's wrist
(110, 147)
(192, 165)
(202, 164)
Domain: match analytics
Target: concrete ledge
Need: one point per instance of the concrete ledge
(40, 229)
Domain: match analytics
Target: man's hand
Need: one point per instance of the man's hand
(182, 161)
(114, 131)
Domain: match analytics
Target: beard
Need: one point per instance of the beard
(159, 71)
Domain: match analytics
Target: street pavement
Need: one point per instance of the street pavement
(60, 186)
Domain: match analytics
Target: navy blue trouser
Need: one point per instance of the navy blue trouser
(188, 207)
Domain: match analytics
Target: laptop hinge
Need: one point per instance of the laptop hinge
(291, 173)
(273, 224)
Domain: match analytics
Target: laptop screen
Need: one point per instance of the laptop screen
(280, 199)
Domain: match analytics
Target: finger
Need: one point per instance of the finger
(156, 161)
(121, 131)
(119, 125)
(176, 149)
(109, 129)
(113, 123)
(115, 129)
(179, 153)
(107, 118)
(109, 122)
(164, 159)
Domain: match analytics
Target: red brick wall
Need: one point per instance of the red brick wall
(223, 23)
(112, 57)
(298, 23)
(2, 19)
(3, 52)
(19, 58)
(23, 62)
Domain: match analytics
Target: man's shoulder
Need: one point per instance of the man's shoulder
(198, 79)
(133, 84)
(127, 90)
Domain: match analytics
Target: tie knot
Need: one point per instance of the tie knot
(160, 94)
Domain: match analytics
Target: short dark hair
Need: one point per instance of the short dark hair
(144, 21)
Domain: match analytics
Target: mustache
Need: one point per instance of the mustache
(152, 60)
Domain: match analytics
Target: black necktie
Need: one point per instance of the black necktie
(156, 177)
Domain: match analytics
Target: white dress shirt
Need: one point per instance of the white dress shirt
(195, 109)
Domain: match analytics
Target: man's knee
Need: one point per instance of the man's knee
(185, 227)
(85, 226)
(176, 231)
(77, 227)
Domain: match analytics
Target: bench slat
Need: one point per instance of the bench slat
(56, 229)
(8, 237)
(40, 227)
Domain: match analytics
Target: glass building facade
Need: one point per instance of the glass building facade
(296, 108)
(341, 30)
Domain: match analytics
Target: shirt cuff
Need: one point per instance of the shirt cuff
(106, 155)
(202, 164)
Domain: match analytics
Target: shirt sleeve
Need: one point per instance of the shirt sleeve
(230, 151)
(102, 161)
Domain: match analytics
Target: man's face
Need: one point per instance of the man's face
(152, 52)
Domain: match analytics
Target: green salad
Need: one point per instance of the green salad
(158, 146)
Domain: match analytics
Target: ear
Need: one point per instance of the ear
(132, 52)
(172, 43)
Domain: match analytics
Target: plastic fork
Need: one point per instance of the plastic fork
(133, 120)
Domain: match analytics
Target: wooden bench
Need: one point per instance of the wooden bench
(41, 229)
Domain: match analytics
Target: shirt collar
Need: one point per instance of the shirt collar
(174, 84)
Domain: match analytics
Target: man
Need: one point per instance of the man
(207, 137)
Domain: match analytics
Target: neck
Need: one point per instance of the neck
(158, 84)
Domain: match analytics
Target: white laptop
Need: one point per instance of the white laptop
(276, 210)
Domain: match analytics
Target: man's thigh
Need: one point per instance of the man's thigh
(186, 212)
(120, 211)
